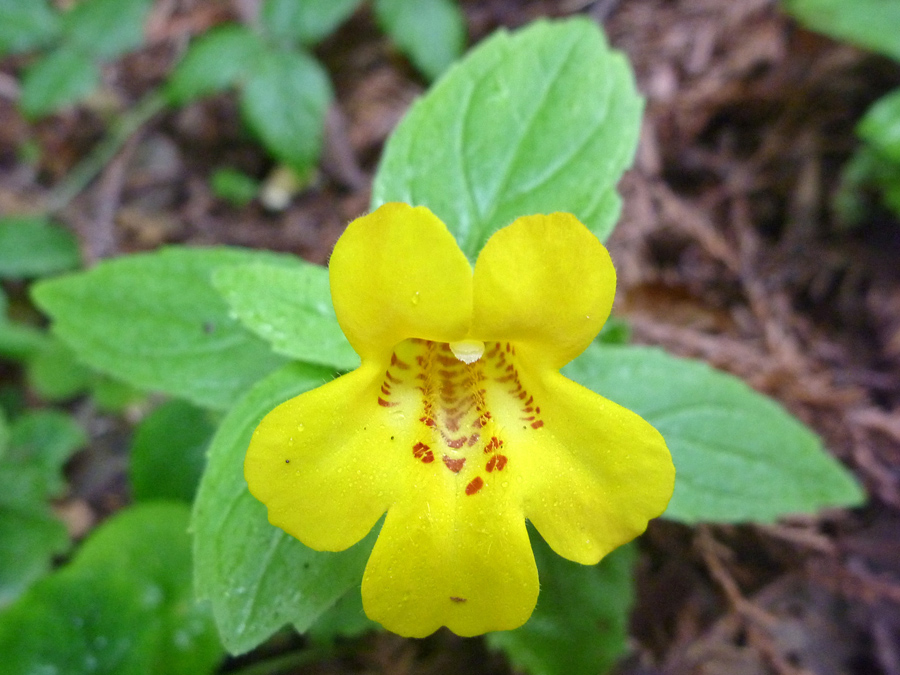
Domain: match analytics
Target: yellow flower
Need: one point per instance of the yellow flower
(458, 423)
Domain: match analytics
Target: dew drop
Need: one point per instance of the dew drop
(415, 298)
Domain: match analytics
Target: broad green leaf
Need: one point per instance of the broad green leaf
(739, 456)
(580, 624)
(30, 246)
(26, 24)
(155, 321)
(881, 125)
(290, 308)
(257, 577)
(615, 331)
(106, 28)
(46, 439)
(346, 619)
(544, 119)
(20, 342)
(124, 605)
(63, 77)
(307, 22)
(54, 373)
(431, 32)
(30, 534)
(867, 23)
(168, 452)
(284, 101)
(4, 434)
(217, 60)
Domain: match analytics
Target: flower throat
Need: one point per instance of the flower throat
(465, 404)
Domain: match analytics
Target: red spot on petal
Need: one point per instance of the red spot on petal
(473, 439)
(537, 425)
(474, 485)
(428, 458)
(457, 599)
(390, 377)
(455, 465)
(501, 462)
(387, 404)
(419, 449)
(385, 390)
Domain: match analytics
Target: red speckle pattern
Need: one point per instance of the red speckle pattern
(452, 402)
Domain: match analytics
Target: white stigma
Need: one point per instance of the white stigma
(467, 351)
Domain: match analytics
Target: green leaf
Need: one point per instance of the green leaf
(4, 434)
(431, 32)
(19, 341)
(31, 536)
(290, 308)
(284, 102)
(257, 577)
(54, 372)
(867, 23)
(30, 246)
(545, 119)
(739, 456)
(307, 22)
(235, 187)
(880, 126)
(168, 452)
(346, 619)
(217, 60)
(580, 624)
(39, 442)
(63, 77)
(155, 321)
(46, 439)
(106, 28)
(615, 331)
(123, 605)
(26, 24)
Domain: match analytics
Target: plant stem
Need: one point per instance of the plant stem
(102, 153)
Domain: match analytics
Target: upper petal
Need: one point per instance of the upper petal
(324, 462)
(398, 273)
(544, 281)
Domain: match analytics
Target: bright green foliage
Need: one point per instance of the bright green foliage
(168, 452)
(867, 170)
(290, 308)
(4, 434)
(868, 23)
(545, 119)
(26, 24)
(30, 246)
(155, 321)
(45, 439)
(580, 625)
(257, 577)
(431, 32)
(306, 22)
(106, 29)
(881, 126)
(218, 59)
(234, 186)
(284, 102)
(39, 443)
(346, 619)
(54, 372)
(92, 32)
(123, 605)
(738, 455)
(63, 77)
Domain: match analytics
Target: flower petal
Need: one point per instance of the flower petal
(398, 273)
(325, 463)
(545, 281)
(447, 558)
(596, 472)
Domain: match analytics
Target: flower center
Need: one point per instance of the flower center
(464, 397)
